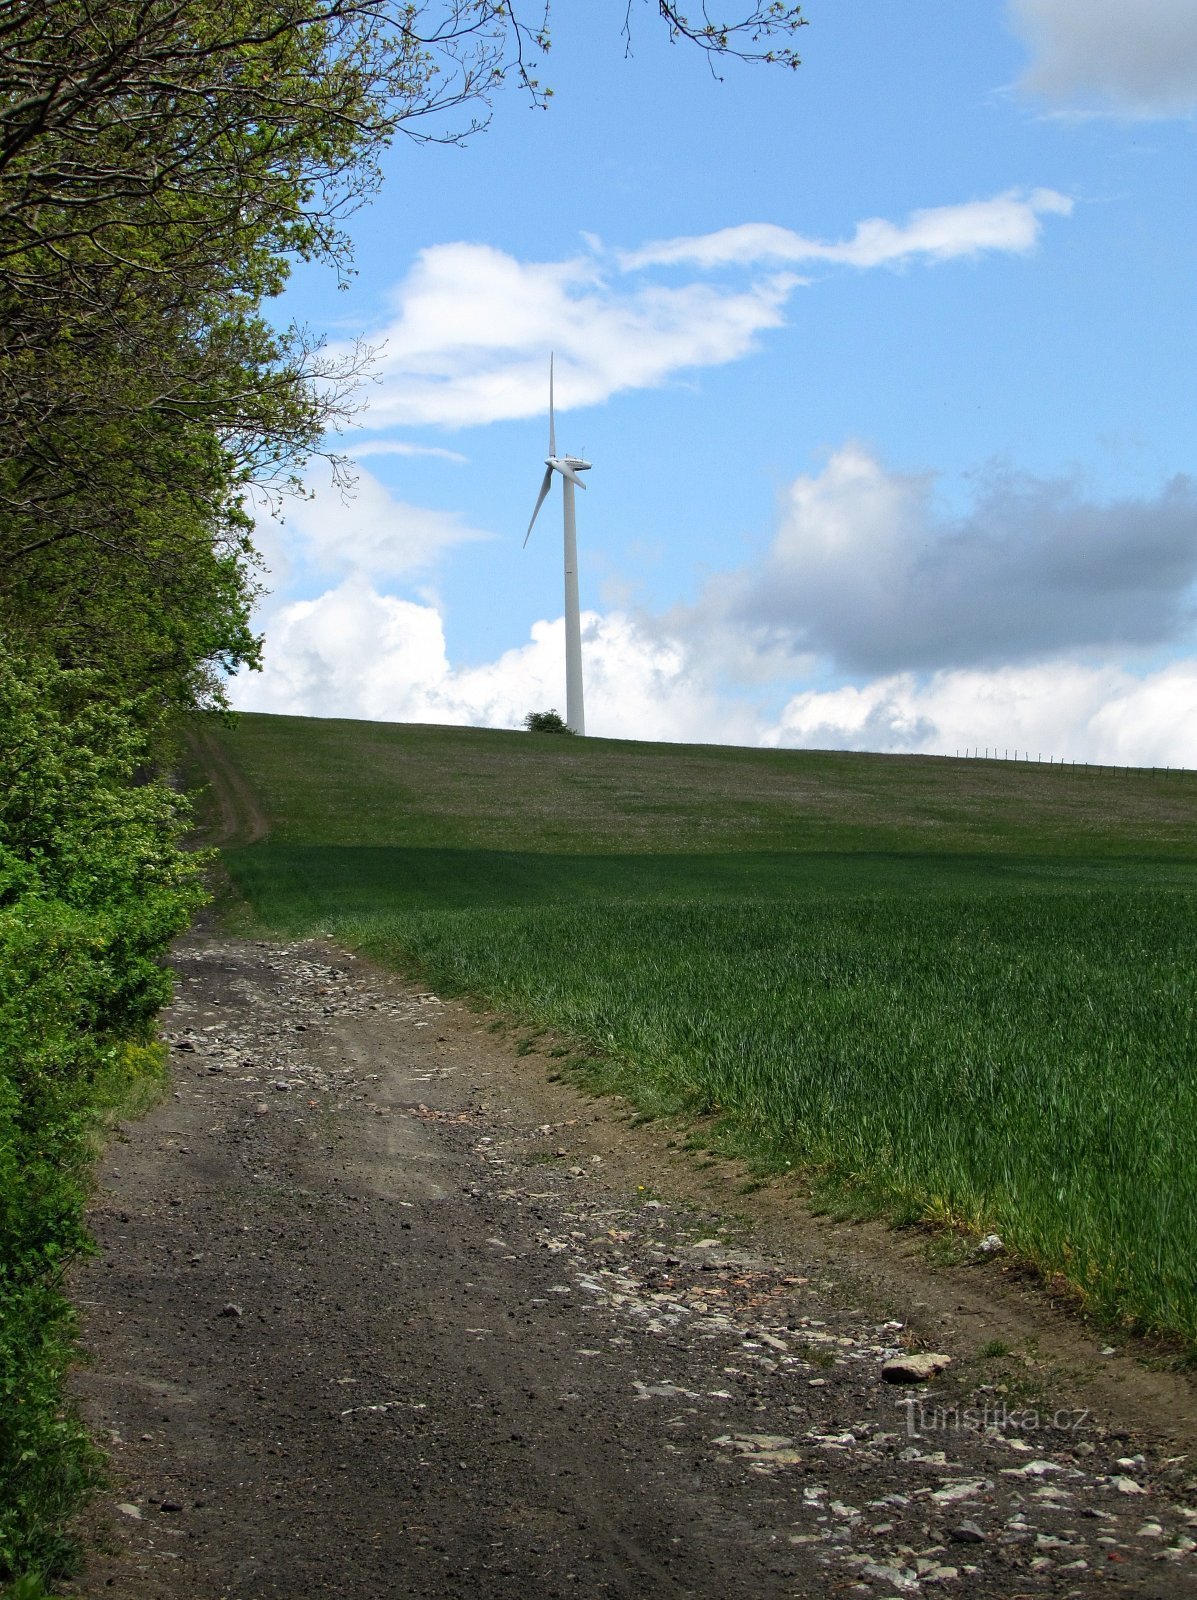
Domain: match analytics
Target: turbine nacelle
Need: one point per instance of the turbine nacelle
(568, 467)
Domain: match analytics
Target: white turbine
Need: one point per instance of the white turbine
(568, 467)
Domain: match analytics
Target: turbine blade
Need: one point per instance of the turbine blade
(545, 484)
(552, 428)
(568, 472)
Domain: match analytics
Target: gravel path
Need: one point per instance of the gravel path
(381, 1310)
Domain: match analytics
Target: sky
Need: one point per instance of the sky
(887, 369)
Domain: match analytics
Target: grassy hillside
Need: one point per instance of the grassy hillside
(967, 988)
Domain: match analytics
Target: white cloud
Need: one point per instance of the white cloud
(354, 652)
(473, 325)
(364, 528)
(470, 340)
(864, 573)
(1008, 222)
(360, 449)
(1135, 60)
(1061, 710)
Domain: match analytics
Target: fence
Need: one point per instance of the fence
(997, 753)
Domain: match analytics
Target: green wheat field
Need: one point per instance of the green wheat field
(957, 990)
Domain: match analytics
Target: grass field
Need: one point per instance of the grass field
(967, 990)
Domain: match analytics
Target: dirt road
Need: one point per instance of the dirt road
(381, 1310)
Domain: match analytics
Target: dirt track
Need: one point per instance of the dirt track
(381, 1310)
(234, 815)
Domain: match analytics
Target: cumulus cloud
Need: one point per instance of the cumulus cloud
(470, 339)
(863, 572)
(1136, 60)
(994, 627)
(355, 652)
(472, 325)
(364, 528)
(1008, 222)
(1061, 709)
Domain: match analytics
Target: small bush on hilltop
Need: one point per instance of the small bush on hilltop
(546, 722)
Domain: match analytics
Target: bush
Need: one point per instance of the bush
(546, 722)
(92, 888)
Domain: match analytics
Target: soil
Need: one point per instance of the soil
(384, 1307)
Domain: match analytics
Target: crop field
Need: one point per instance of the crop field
(958, 990)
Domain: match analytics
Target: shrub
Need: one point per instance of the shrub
(92, 888)
(546, 722)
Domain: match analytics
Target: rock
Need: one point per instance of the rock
(184, 1044)
(990, 1245)
(281, 1085)
(1125, 1485)
(967, 1533)
(914, 1369)
(968, 1489)
(171, 1505)
(767, 1452)
(127, 1509)
(229, 1311)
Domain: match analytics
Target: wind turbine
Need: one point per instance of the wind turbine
(568, 467)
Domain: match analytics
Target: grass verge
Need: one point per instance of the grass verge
(48, 1463)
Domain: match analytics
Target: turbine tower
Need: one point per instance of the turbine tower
(568, 467)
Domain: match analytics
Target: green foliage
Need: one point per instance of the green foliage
(966, 993)
(546, 722)
(92, 886)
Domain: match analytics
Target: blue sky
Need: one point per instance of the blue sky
(886, 369)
